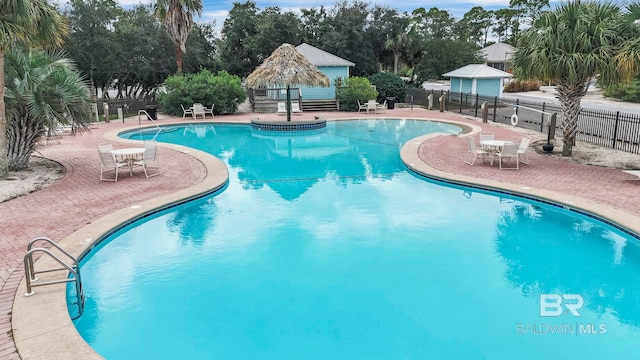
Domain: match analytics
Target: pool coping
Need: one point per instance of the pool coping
(55, 336)
(602, 212)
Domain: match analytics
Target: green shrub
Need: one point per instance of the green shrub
(522, 86)
(388, 85)
(355, 89)
(625, 92)
(224, 90)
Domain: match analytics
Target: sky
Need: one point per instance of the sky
(219, 9)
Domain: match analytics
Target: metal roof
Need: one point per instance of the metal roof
(319, 57)
(498, 52)
(477, 71)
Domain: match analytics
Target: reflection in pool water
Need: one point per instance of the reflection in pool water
(323, 246)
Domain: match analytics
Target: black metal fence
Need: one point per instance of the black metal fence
(613, 129)
(129, 107)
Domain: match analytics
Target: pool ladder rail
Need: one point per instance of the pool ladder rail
(71, 265)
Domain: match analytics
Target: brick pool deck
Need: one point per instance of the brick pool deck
(79, 199)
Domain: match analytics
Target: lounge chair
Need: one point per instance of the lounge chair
(509, 151)
(522, 149)
(295, 108)
(186, 112)
(149, 159)
(282, 108)
(198, 109)
(109, 163)
(633, 172)
(209, 110)
(473, 152)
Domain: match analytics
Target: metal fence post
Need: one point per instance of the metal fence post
(495, 107)
(542, 118)
(460, 102)
(476, 114)
(615, 130)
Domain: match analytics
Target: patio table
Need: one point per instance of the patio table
(129, 155)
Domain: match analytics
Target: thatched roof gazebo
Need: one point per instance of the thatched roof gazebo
(286, 67)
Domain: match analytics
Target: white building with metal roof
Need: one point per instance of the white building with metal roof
(478, 79)
(498, 55)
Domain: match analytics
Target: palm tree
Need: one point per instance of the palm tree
(399, 44)
(44, 90)
(570, 46)
(30, 22)
(177, 18)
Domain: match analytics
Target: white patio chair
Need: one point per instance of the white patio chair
(473, 152)
(186, 112)
(105, 147)
(361, 106)
(486, 136)
(198, 109)
(209, 110)
(371, 105)
(295, 108)
(149, 159)
(522, 149)
(282, 108)
(381, 107)
(108, 164)
(509, 151)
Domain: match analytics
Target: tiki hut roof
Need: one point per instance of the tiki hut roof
(286, 67)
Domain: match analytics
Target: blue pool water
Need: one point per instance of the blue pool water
(324, 246)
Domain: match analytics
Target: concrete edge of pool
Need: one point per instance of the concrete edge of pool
(41, 324)
(410, 157)
(42, 328)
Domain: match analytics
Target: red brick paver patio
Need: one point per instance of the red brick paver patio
(79, 198)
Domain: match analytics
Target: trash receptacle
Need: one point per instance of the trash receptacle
(152, 112)
(391, 102)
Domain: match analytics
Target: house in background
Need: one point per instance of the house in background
(477, 79)
(309, 98)
(497, 55)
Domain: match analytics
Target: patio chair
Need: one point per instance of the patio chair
(149, 159)
(381, 106)
(186, 112)
(295, 108)
(522, 149)
(198, 109)
(473, 152)
(105, 147)
(486, 136)
(209, 110)
(371, 105)
(509, 151)
(108, 164)
(282, 108)
(361, 106)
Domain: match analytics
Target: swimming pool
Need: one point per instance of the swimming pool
(324, 246)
